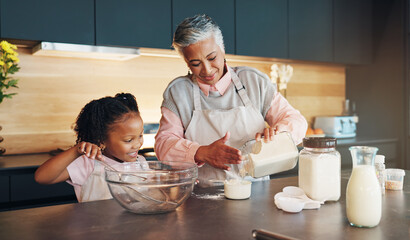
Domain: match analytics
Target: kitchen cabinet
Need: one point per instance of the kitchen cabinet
(311, 30)
(353, 31)
(321, 30)
(262, 28)
(4, 189)
(23, 187)
(134, 23)
(18, 189)
(48, 20)
(223, 12)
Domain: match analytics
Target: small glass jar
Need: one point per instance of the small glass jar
(380, 171)
(319, 169)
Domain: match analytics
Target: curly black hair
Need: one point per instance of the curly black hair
(96, 117)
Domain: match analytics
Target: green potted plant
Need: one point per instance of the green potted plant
(8, 66)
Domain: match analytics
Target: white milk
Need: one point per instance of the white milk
(237, 189)
(363, 197)
(319, 176)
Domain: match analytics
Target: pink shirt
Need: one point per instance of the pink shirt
(82, 167)
(170, 142)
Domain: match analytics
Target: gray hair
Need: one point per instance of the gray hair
(195, 29)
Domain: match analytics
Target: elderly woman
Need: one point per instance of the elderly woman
(210, 113)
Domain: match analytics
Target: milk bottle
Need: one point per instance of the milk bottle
(363, 193)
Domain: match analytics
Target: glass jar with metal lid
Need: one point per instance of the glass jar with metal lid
(319, 169)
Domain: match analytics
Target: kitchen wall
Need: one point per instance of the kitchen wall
(52, 91)
(381, 88)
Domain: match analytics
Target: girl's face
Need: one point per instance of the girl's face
(206, 60)
(125, 138)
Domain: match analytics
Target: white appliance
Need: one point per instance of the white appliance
(337, 126)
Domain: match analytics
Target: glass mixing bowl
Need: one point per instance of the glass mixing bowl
(153, 186)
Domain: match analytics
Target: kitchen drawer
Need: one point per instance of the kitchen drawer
(24, 187)
(4, 189)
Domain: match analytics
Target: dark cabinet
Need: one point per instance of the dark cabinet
(48, 20)
(136, 23)
(18, 189)
(337, 31)
(23, 188)
(4, 189)
(353, 31)
(311, 30)
(262, 28)
(222, 12)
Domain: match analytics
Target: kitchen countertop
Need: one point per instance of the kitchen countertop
(208, 215)
(364, 141)
(18, 161)
(14, 162)
(30, 161)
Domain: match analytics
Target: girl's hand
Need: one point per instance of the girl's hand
(267, 134)
(217, 154)
(90, 150)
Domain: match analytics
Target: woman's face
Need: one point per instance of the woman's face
(125, 138)
(206, 60)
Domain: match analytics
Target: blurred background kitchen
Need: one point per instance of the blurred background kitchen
(355, 50)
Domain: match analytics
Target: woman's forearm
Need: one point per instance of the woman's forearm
(284, 117)
(170, 142)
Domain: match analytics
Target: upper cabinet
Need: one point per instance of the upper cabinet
(333, 31)
(311, 30)
(48, 20)
(137, 23)
(262, 28)
(353, 31)
(223, 12)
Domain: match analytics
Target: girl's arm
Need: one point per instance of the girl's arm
(54, 170)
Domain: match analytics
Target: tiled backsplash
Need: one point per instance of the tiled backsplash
(53, 90)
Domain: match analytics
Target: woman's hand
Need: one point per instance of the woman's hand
(217, 154)
(90, 150)
(267, 134)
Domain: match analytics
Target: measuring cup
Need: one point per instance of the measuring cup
(296, 192)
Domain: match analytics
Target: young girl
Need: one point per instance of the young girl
(109, 129)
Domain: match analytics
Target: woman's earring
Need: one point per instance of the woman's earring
(224, 60)
(189, 72)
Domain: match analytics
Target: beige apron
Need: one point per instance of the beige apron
(95, 188)
(207, 126)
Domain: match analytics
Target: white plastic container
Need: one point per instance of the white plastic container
(319, 169)
(278, 155)
(237, 189)
(394, 178)
(380, 171)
